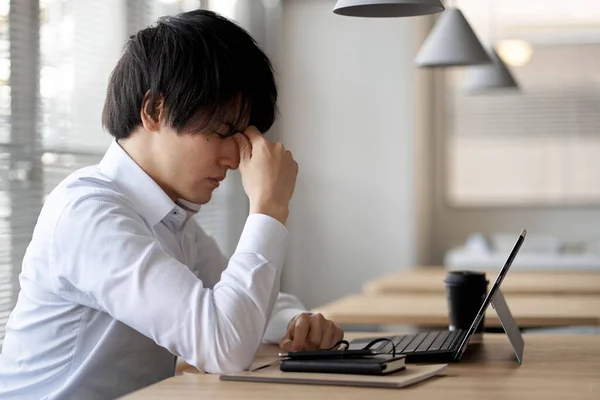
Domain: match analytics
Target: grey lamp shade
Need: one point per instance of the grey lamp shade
(494, 76)
(451, 42)
(387, 8)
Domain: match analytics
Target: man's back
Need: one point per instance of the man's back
(57, 347)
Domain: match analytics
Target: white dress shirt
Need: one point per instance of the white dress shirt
(118, 280)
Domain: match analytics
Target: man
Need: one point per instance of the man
(118, 278)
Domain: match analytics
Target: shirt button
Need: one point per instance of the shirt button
(178, 214)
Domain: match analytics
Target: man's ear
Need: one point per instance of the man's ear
(152, 115)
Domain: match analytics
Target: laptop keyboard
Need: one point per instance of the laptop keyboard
(424, 341)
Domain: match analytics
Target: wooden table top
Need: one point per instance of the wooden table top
(432, 310)
(554, 367)
(430, 280)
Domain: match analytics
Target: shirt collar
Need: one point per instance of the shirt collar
(147, 197)
(188, 206)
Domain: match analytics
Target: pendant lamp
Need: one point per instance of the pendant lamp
(494, 76)
(490, 77)
(451, 42)
(387, 8)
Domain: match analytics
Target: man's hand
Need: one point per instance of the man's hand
(268, 174)
(310, 332)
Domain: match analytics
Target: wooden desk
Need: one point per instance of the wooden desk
(432, 310)
(430, 280)
(554, 367)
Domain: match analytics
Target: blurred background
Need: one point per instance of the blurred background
(399, 166)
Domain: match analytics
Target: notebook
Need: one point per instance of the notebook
(272, 374)
(382, 364)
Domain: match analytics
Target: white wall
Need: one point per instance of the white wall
(348, 113)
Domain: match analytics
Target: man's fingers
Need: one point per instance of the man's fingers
(288, 339)
(253, 135)
(301, 329)
(244, 146)
(310, 333)
(328, 339)
(315, 334)
(338, 334)
(286, 343)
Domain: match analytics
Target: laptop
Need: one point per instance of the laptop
(449, 346)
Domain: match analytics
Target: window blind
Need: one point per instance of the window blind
(537, 147)
(18, 138)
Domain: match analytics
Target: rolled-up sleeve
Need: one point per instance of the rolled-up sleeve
(105, 256)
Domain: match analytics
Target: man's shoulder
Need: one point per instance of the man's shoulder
(85, 186)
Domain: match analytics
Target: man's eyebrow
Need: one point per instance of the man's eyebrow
(230, 129)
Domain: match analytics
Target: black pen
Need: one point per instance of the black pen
(316, 354)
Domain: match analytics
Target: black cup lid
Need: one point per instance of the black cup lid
(465, 277)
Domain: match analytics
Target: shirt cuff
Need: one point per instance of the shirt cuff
(278, 324)
(266, 236)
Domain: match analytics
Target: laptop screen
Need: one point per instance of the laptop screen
(491, 293)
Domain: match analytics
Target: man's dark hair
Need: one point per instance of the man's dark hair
(206, 69)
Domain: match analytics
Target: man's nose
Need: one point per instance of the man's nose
(230, 154)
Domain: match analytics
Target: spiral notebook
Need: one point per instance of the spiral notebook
(272, 374)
